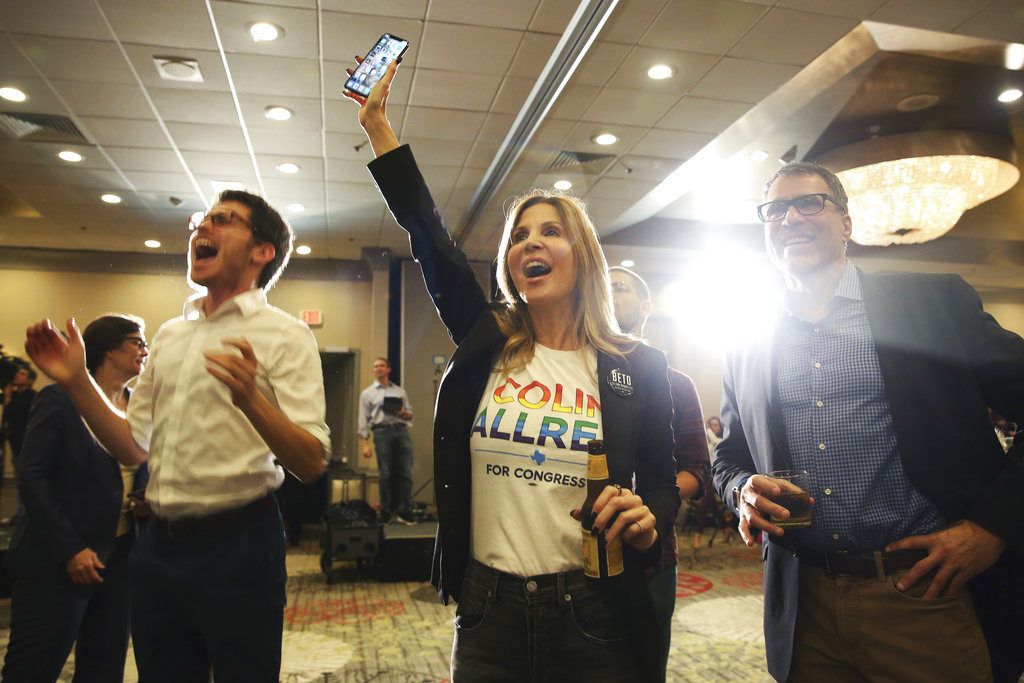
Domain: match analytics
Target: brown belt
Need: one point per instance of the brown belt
(191, 526)
(866, 565)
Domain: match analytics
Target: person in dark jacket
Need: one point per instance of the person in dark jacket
(537, 375)
(69, 552)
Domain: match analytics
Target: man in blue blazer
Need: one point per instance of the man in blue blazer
(878, 386)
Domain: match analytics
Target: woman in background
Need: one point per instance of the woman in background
(69, 552)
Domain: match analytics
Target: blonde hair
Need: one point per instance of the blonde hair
(593, 320)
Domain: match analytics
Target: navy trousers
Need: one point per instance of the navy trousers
(210, 600)
(50, 615)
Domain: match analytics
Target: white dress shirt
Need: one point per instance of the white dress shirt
(204, 454)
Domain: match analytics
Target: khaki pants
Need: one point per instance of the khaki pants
(865, 629)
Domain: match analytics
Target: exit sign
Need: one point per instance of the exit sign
(313, 317)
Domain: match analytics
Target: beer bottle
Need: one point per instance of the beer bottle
(601, 559)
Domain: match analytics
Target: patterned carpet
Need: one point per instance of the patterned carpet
(358, 630)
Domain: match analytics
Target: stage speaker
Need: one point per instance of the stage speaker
(406, 552)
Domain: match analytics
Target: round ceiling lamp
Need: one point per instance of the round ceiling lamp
(914, 187)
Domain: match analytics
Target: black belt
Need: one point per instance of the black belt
(191, 526)
(866, 565)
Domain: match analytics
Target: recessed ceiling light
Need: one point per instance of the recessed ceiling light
(295, 208)
(1015, 56)
(606, 139)
(277, 113)
(68, 155)
(627, 263)
(918, 102)
(302, 250)
(111, 198)
(758, 155)
(221, 185)
(288, 167)
(152, 244)
(563, 185)
(263, 31)
(660, 72)
(1011, 95)
(13, 94)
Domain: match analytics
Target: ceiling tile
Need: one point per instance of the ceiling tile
(14, 63)
(481, 155)
(459, 48)
(233, 19)
(573, 101)
(441, 179)
(347, 170)
(498, 13)
(631, 19)
(442, 124)
(600, 63)
(689, 68)
(440, 152)
(643, 168)
(183, 25)
(617, 105)
(671, 144)
(709, 26)
(604, 211)
(533, 54)
(207, 138)
(53, 18)
(104, 99)
(311, 168)
(344, 146)
(248, 181)
(551, 133)
(199, 106)
(77, 60)
(852, 9)
(937, 15)
(217, 163)
(512, 95)
(260, 74)
(40, 98)
(284, 191)
(744, 80)
(552, 16)
(369, 207)
(305, 112)
(703, 115)
(440, 89)
(996, 24)
(140, 159)
(410, 9)
(210, 65)
(806, 36)
(495, 128)
(159, 182)
(347, 35)
(581, 138)
(305, 143)
(126, 132)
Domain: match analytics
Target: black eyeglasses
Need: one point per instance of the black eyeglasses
(218, 219)
(806, 205)
(139, 343)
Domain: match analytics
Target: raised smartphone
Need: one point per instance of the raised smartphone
(386, 50)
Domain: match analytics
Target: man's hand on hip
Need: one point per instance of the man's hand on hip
(958, 552)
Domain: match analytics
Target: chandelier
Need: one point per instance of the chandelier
(914, 187)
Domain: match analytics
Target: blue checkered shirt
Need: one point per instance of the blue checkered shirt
(839, 427)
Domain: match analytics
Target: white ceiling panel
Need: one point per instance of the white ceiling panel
(807, 35)
(140, 159)
(441, 179)
(14, 62)
(440, 152)
(631, 20)
(937, 15)
(347, 170)
(305, 112)
(461, 48)
(283, 192)
(495, 128)
(369, 207)
(198, 106)
(533, 54)
(77, 60)
(442, 124)
(497, 13)
(264, 75)
(217, 163)
(17, 175)
(210, 65)
(45, 154)
(552, 16)
(307, 143)
(233, 19)
(573, 101)
(600, 63)
(343, 146)
(709, 26)
(604, 210)
(154, 23)
(104, 99)
(744, 80)
(126, 132)
(551, 133)
(440, 89)
(409, 9)
(54, 18)
(481, 155)
(614, 105)
(997, 23)
(248, 181)
(642, 168)
(689, 68)
(207, 138)
(160, 182)
(347, 35)
(40, 98)
(580, 138)
(703, 115)
(511, 95)
(310, 167)
(176, 215)
(852, 9)
(671, 144)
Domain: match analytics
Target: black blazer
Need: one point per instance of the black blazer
(637, 429)
(71, 489)
(944, 362)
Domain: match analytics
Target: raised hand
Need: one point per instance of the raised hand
(373, 117)
(62, 361)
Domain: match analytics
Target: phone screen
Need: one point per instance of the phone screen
(386, 50)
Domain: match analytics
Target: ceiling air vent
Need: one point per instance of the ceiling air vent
(40, 128)
(587, 161)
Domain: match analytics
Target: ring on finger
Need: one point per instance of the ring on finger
(618, 489)
(640, 526)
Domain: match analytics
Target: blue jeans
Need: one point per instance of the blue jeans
(210, 600)
(542, 628)
(394, 461)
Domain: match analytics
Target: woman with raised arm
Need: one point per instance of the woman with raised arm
(537, 375)
(69, 551)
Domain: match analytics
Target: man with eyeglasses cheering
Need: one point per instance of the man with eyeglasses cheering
(229, 386)
(878, 386)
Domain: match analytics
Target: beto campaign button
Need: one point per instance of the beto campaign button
(620, 382)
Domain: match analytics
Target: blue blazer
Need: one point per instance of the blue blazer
(71, 489)
(944, 361)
